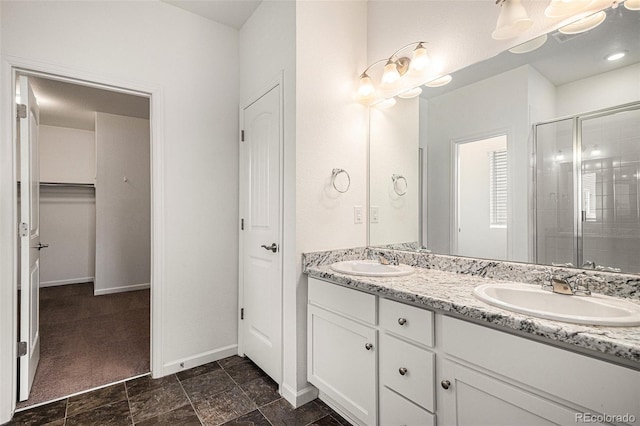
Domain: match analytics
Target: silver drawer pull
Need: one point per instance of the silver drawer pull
(402, 321)
(402, 371)
(445, 384)
(368, 346)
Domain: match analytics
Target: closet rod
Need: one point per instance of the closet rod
(70, 185)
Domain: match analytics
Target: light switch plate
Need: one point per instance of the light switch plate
(375, 214)
(357, 215)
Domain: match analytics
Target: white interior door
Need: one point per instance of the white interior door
(260, 207)
(29, 237)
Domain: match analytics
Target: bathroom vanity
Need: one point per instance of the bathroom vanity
(421, 350)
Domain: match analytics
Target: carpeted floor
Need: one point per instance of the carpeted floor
(88, 341)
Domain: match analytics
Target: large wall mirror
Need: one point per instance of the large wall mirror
(531, 157)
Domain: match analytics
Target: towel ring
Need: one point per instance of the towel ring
(396, 179)
(334, 175)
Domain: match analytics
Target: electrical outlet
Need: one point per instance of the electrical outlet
(357, 215)
(375, 214)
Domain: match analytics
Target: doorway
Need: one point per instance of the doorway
(481, 202)
(91, 184)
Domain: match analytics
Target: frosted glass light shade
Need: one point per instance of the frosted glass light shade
(585, 24)
(632, 4)
(438, 82)
(565, 8)
(411, 93)
(513, 20)
(391, 74)
(366, 89)
(420, 59)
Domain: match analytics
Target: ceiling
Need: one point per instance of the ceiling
(233, 13)
(72, 105)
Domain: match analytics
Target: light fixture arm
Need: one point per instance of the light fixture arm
(417, 43)
(364, 73)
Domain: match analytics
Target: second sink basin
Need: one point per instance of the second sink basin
(371, 268)
(532, 300)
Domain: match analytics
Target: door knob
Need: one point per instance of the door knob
(368, 346)
(445, 384)
(40, 246)
(403, 371)
(273, 247)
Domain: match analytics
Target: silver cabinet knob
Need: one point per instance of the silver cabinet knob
(402, 371)
(368, 346)
(445, 384)
(402, 321)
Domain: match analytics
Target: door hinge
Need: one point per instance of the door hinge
(21, 111)
(22, 349)
(241, 313)
(241, 135)
(242, 224)
(23, 229)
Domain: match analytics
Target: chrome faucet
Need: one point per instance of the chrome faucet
(563, 286)
(383, 260)
(589, 264)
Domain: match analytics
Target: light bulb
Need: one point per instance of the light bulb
(391, 74)
(420, 59)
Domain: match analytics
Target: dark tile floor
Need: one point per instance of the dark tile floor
(232, 391)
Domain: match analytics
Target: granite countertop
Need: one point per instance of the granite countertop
(453, 293)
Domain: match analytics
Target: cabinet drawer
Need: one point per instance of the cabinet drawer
(416, 384)
(345, 301)
(398, 411)
(407, 321)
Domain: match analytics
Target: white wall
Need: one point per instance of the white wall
(601, 91)
(393, 149)
(268, 44)
(68, 225)
(191, 63)
(123, 204)
(331, 131)
(67, 155)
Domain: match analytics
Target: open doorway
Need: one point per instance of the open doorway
(90, 187)
(481, 202)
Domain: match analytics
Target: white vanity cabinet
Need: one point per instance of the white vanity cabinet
(486, 376)
(342, 348)
(387, 363)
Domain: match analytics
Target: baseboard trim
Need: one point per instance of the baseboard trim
(339, 409)
(122, 289)
(196, 360)
(300, 397)
(56, 283)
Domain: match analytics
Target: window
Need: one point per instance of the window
(498, 189)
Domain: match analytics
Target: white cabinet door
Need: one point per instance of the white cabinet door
(398, 411)
(342, 362)
(474, 398)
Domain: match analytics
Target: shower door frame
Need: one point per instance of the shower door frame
(578, 215)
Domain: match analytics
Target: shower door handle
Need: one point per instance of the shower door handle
(584, 215)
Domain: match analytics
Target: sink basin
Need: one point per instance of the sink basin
(532, 300)
(371, 268)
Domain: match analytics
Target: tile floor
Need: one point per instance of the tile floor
(232, 391)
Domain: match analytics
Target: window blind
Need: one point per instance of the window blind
(498, 188)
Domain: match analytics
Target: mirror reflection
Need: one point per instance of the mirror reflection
(531, 157)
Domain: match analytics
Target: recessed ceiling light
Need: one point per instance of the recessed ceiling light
(616, 55)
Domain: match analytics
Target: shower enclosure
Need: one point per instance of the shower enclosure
(587, 190)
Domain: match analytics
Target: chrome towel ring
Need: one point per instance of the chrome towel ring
(334, 175)
(399, 182)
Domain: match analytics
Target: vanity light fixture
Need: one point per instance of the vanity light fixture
(513, 20)
(632, 4)
(616, 55)
(584, 24)
(391, 82)
(440, 81)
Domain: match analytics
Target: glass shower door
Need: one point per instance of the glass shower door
(554, 193)
(609, 181)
